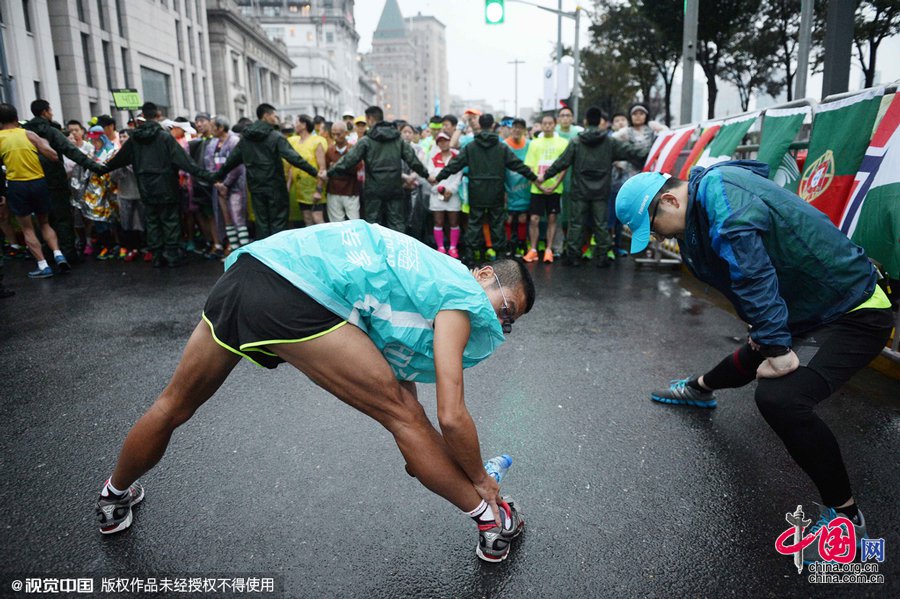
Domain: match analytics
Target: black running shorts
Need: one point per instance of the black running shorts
(542, 204)
(251, 306)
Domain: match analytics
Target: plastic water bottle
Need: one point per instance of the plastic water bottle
(498, 466)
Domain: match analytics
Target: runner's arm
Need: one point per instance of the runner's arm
(42, 146)
(349, 160)
(451, 333)
(456, 164)
(290, 154)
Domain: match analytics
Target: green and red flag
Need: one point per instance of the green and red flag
(840, 135)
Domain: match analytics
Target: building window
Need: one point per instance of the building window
(197, 104)
(190, 43)
(38, 92)
(86, 52)
(156, 88)
(101, 15)
(79, 5)
(120, 17)
(236, 68)
(329, 37)
(184, 94)
(203, 55)
(26, 8)
(108, 63)
(178, 39)
(125, 70)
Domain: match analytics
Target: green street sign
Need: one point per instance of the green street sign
(126, 99)
(494, 12)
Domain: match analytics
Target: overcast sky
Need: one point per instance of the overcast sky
(477, 54)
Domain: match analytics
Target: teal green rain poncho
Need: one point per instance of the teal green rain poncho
(389, 285)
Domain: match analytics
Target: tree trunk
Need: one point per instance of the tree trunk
(789, 78)
(668, 100)
(713, 90)
(870, 71)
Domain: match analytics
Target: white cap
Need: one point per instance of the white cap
(186, 127)
(349, 112)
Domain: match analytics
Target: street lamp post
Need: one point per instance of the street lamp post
(576, 52)
(516, 64)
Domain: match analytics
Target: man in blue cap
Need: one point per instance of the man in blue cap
(809, 294)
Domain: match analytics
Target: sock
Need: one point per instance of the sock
(42, 264)
(109, 489)
(851, 511)
(57, 253)
(439, 236)
(243, 235)
(454, 236)
(231, 233)
(694, 384)
(482, 514)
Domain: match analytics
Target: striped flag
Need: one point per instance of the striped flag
(872, 215)
(665, 152)
(727, 140)
(708, 133)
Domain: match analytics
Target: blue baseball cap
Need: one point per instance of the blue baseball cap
(632, 205)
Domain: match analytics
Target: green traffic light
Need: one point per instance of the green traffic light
(494, 12)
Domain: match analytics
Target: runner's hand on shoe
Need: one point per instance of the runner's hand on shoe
(772, 368)
(753, 344)
(490, 492)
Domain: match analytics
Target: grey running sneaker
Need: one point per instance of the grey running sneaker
(493, 541)
(680, 394)
(826, 515)
(114, 513)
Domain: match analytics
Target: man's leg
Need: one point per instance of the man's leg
(575, 236)
(787, 403)
(170, 220)
(60, 219)
(735, 370)
(473, 238)
(373, 208)
(154, 230)
(497, 222)
(396, 213)
(261, 203)
(599, 208)
(31, 240)
(203, 368)
(347, 364)
(280, 213)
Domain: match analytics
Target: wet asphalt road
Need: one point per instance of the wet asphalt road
(623, 497)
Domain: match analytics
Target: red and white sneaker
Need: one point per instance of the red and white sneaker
(493, 540)
(114, 513)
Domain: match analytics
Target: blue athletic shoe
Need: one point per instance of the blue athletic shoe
(41, 273)
(826, 515)
(680, 394)
(62, 263)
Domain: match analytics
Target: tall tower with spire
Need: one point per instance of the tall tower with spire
(395, 58)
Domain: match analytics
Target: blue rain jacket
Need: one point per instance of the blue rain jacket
(780, 261)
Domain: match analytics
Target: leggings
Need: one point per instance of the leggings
(829, 356)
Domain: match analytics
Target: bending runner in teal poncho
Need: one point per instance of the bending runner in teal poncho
(365, 313)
